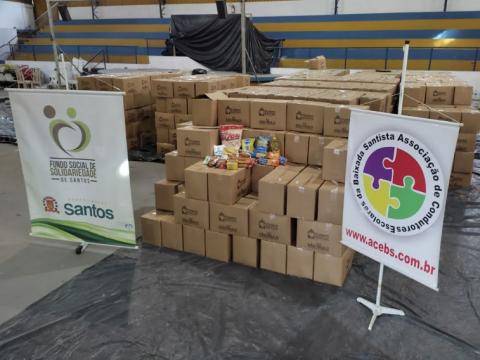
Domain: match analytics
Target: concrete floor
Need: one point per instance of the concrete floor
(32, 267)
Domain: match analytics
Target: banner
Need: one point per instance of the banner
(396, 187)
(74, 160)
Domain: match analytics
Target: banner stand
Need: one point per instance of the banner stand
(81, 247)
(376, 308)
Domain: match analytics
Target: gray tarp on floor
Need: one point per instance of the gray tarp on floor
(160, 304)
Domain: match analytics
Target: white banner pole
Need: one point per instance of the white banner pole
(403, 78)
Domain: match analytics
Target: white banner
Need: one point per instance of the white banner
(75, 165)
(396, 187)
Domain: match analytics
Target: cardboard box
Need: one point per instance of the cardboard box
(439, 94)
(335, 160)
(234, 111)
(268, 114)
(184, 88)
(162, 88)
(446, 114)
(470, 121)
(463, 162)
(172, 136)
(182, 119)
(131, 115)
(270, 227)
(190, 211)
(194, 240)
(330, 203)
(231, 219)
(165, 120)
(152, 228)
(161, 105)
(296, 147)
(316, 144)
(273, 256)
(206, 86)
(336, 121)
(320, 237)
(196, 181)
(104, 83)
(459, 180)
(176, 105)
(302, 193)
(174, 166)
(218, 246)
(332, 270)
(128, 84)
(204, 112)
(418, 111)
(258, 172)
(196, 142)
(466, 142)
(414, 95)
(299, 262)
(164, 191)
(305, 116)
(272, 189)
(253, 133)
(228, 186)
(463, 95)
(86, 82)
(162, 135)
(245, 250)
(172, 234)
(163, 148)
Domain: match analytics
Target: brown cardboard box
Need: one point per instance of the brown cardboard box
(418, 111)
(218, 246)
(336, 121)
(128, 84)
(196, 142)
(162, 88)
(204, 112)
(174, 166)
(446, 114)
(206, 86)
(335, 160)
(164, 191)
(245, 250)
(332, 270)
(463, 162)
(470, 121)
(189, 160)
(194, 240)
(163, 148)
(196, 181)
(270, 227)
(466, 142)
(228, 186)
(302, 193)
(305, 116)
(234, 111)
(176, 105)
(131, 115)
(165, 120)
(162, 135)
(414, 95)
(152, 227)
(86, 82)
(182, 119)
(184, 88)
(231, 219)
(463, 95)
(299, 262)
(190, 211)
(272, 189)
(296, 147)
(330, 203)
(268, 114)
(161, 105)
(172, 136)
(320, 237)
(242, 80)
(104, 83)
(316, 144)
(273, 256)
(253, 133)
(258, 172)
(172, 234)
(459, 180)
(439, 94)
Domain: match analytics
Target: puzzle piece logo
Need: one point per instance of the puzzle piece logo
(394, 183)
(397, 182)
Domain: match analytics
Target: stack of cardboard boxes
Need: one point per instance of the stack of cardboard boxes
(174, 102)
(137, 101)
